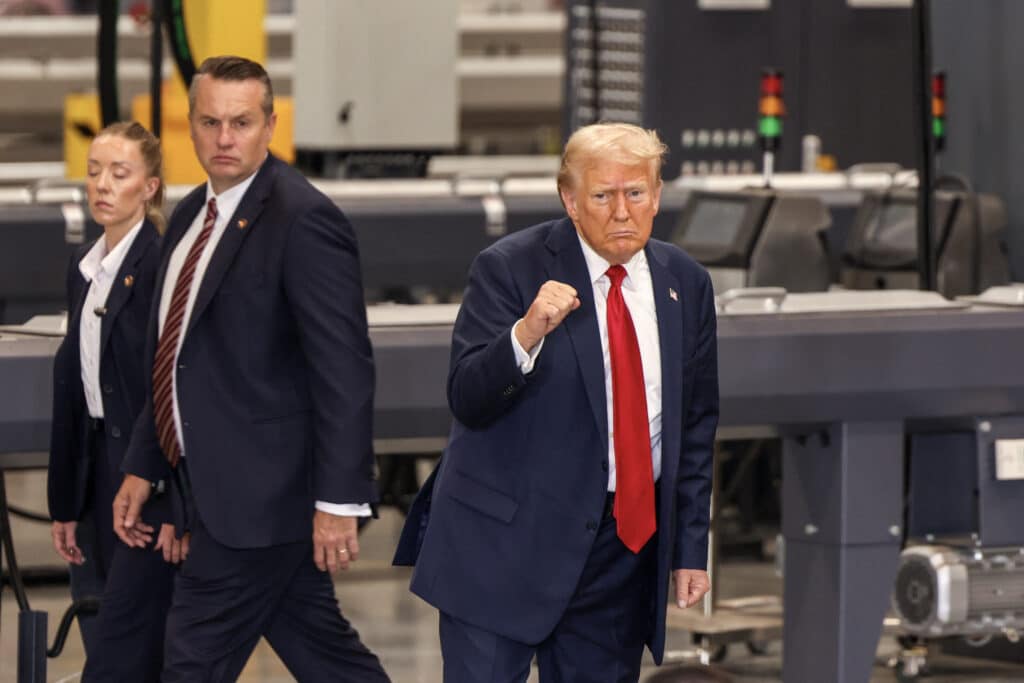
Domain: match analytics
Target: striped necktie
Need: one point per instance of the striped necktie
(167, 347)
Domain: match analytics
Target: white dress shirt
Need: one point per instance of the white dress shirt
(638, 293)
(99, 268)
(227, 203)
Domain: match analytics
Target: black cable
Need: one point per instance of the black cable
(963, 183)
(87, 605)
(595, 60)
(922, 58)
(174, 19)
(7, 541)
(156, 64)
(28, 514)
(106, 51)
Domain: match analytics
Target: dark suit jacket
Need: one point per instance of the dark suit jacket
(521, 487)
(122, 343)
(275, 376)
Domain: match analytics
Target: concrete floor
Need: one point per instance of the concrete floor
(402, 630)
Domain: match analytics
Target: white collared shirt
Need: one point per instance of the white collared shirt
(638, 294)
(99, 268)
(227, 203)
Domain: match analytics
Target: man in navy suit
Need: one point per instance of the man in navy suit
(577, 479)
(260, 401)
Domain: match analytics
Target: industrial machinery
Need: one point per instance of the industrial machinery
(417, 238)
(37, 244)
(375, 92)
(809, 367)
(945, 591)
(968, 234)
(687, 69)
(757, 238)
(961, 574)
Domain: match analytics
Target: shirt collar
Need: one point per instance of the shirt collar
(229, 199)
(597, 266)
(98, 259)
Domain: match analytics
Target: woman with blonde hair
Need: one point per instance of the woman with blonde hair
(99, 385)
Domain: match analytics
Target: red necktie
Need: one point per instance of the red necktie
(167, 347)
(634, 475)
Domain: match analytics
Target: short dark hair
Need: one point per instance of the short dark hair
(233, 68)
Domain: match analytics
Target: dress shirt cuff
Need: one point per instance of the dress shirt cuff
(525, 360)
(345, 509)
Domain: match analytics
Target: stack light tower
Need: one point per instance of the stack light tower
(939, 110)
(771, 110)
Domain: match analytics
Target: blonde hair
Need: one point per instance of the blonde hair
(622, 143)
(152, 157)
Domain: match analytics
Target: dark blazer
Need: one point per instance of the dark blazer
(122, 343)
(275, 376)
(511, 517)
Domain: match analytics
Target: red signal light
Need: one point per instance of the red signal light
(771, 83)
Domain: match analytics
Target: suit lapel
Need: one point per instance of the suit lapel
(181, 221)
(668, 302)
(124, 282)
(75, 314)
(570, 267)
(238, 228)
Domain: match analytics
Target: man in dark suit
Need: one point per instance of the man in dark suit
(584, 386)
(260, 401)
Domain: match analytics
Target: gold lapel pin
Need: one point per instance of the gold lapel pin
(129, 280)
(242, 223)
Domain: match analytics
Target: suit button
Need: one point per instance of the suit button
(107, 389)
(604, 465)
(115, 432)
(181, 366)
(509, 390)
(591, 525)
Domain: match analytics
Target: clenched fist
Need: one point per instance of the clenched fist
(554, 302)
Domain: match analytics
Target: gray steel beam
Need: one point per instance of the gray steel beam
(842, 495)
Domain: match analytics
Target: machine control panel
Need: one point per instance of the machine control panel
(756, 238)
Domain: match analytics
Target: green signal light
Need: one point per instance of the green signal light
(939, 128)
(770, 127)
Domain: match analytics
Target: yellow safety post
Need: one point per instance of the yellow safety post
(226, 27)
(81, 122)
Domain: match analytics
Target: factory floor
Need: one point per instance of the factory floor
(402, 630)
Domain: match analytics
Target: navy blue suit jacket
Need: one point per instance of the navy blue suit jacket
(275, 375)
(122, 343)
(508, 522)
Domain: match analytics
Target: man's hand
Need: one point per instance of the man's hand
(175, 549)
(691, 585)
(335, 541)
(128, 503)
(64, 542)
(554, 301)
